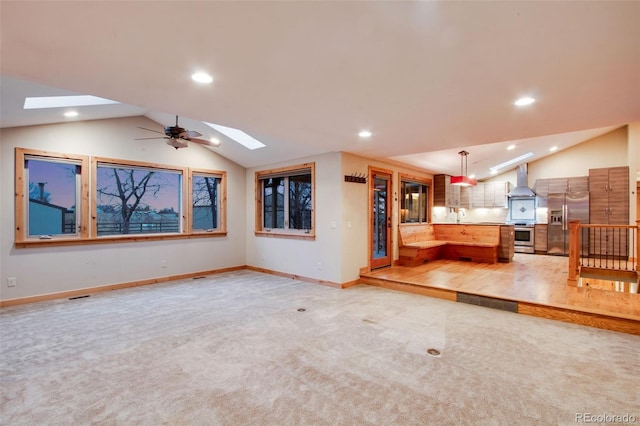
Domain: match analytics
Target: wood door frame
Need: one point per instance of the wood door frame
(390, 206)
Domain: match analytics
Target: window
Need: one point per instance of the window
(414, 199)
(207, 196)
(137, 199)
(56, 192)
(50, 201)
(285, 201)
(53, 195)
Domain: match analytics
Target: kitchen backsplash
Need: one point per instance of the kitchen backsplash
(495, 215)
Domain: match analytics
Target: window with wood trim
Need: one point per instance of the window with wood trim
(415, 203)
(137, 198)
(55, 194)
(285, 201)
(51, 195)
(208, 195)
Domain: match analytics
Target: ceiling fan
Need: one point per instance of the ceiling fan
(178, 137)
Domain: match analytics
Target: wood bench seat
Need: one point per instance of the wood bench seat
(421, 243)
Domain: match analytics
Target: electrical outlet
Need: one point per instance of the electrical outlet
(163, 264)
(11, 282)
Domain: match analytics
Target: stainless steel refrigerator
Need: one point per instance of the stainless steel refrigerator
(563, 208)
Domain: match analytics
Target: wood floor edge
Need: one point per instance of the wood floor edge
(111, 287)
(622, 325)
(410, 288)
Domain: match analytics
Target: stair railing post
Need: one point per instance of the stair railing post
(574, 253)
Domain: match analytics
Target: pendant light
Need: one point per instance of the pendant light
(463, 179)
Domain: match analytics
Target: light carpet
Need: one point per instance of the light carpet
(245, 348)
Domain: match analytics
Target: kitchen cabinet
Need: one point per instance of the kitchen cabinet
(507, 243)
(465, 196)
(609, 205)
(541, 188)
(477, 195)
(445, 194)
(540, 238)
(484, 194)
(578, 184)
(495, 194)
(562, 185)
(544, 187)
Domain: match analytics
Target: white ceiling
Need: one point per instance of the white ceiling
(427, 78)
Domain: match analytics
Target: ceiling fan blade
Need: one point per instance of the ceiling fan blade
(193, 134)
(151, 130)
(203, 142)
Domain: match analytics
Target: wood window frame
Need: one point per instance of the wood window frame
(222, 201)
(87, 233)
(260, 230)
(22, 195)
(405, 177)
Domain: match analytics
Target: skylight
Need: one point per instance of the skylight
(512, 161)
(64, 101)
(237, 135)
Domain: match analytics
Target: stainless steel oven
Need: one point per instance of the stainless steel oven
(524, 239)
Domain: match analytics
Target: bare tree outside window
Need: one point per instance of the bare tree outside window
(131, 199)
(205, 202)
(287, 200)
(300, 202)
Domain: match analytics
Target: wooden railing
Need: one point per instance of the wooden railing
(609, 251)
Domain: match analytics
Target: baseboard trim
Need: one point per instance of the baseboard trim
(295, 277)
(111, 287)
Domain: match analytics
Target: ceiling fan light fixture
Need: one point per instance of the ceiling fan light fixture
(463, 179)
(215, 141)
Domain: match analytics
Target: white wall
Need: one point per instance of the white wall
(56, 269)
(317, 259)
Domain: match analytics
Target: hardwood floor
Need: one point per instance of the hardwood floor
(537, 283)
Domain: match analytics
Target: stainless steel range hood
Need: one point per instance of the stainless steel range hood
(521, 189)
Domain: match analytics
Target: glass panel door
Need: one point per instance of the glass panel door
(380, 219)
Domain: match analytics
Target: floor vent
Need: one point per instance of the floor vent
(488, 302)
(79, 297)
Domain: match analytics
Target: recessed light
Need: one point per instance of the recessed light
(71, 114)
(493, 172)
(553, 148)
(201, 77)
(215, 141)
(511, 147)
(364, 134)
(526, 100)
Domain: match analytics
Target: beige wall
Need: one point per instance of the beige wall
(58, 269)
(608, 150)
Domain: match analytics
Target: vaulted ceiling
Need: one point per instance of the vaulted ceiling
(426, 78)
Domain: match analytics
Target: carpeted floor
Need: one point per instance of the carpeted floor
(235, 349)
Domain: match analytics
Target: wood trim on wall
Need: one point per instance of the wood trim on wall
(111, 287)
